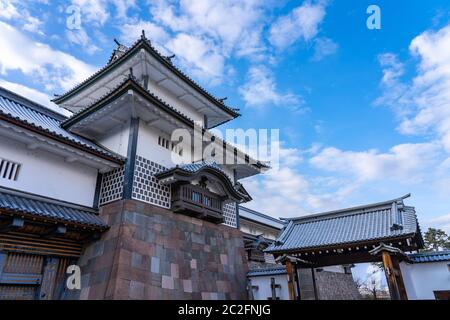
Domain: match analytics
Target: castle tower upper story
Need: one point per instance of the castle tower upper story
(133, 106)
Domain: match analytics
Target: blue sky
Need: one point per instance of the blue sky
(364, 115)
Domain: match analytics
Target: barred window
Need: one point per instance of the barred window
(9, 170)
(169, 145)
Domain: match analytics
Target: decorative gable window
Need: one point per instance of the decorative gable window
(169, 145)
(9, 170)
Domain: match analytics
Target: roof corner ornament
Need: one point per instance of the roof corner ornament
(118, 52)
(222, 99)
(143, 35)
(169, 58)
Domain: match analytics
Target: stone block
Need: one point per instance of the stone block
(137, 290)
(154, 264)
(167, 282)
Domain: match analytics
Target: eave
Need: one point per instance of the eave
(128, 84)
(43, 132)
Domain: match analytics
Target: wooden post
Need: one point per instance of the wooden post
(399, 279)
(273, 287)
(390, 275)
(297, 282)
(290, 273)
(313, 274)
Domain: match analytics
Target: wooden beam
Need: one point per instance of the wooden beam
(14, 224)
(58, 230)
(399, 278)
(313, 274)
(297, 282)
(390, 275)
(290, 273)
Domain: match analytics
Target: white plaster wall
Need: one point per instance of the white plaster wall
(149, 148)
(117, 140)
(421, 279)
(173, 101)
(49, 175)
(264, 291)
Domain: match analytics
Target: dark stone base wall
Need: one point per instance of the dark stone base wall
(152, 253)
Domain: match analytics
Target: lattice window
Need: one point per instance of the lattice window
(229, 214)
(9, 170)
(169, 145)
(146, 187)
(112, 186)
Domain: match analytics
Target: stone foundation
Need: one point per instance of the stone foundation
(152, 253)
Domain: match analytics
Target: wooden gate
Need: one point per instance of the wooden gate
(31, 276)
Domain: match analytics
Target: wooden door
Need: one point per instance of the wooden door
(31, 277)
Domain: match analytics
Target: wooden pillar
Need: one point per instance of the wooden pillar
(313, 274)
(297, 282)
(390, 275)
(290, 273)
(399, 279)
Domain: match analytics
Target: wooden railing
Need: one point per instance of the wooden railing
(195, 200)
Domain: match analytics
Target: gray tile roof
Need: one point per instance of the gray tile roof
(14, 201)
(196, 166)
(271, 271)
(125, 83)
(435, 256)
(34, 115)
(146, 44)
(253, 215)
(390, 219)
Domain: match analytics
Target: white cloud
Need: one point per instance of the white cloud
(33, 25)
(287, 192)
(201, 35)
(81, 38)
(123, 6)
(231, 24)
(403, 163)
(261, 90)
(18, 12)
(93, 11)
(197, 54)
(301, 23)
(130, 32)
(324, 47)
(203, 57)
(423, 105)
(8, 9)
(441, 222)
(33, 95)
(54, 69)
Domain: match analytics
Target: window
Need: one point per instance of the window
(9, 170)
(196, 197)
(169, 145)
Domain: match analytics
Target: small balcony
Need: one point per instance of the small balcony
(197, 201)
